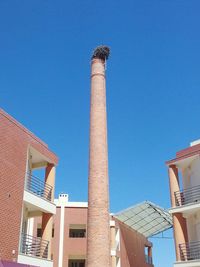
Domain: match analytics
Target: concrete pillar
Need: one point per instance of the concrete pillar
(173, 183)
(47, 218)
(180, 232)
(50, 178)
(179, 222)
(113, 261)
(47, 223)
(113, 246)
(98, 232)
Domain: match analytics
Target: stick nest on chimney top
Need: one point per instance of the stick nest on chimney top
(101, 52)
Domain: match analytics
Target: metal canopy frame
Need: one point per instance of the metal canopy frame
(146, 218)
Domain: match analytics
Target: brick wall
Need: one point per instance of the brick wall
(14, 142)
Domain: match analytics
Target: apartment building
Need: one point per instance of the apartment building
(24, 157)
(184, 179)
(69, 232)
(129, 231)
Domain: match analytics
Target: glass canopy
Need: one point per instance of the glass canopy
(146, 218)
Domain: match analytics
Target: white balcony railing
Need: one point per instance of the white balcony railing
(38, 187)
(34, 246)
(187, 196)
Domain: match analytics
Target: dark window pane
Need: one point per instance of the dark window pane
(39, 232)
(74, 233)
(76, 263)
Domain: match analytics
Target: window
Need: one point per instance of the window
(76, 263)
(39, 232)
(74, 233)
(77, 230)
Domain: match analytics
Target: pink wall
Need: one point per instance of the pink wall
(132, 246)
(55, 240)
(132, 243)
(73, 246)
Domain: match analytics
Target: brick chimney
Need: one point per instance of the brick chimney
(98, 233)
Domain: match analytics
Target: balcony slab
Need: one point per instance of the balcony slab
(193, 263)
(34, 203)
(186, 209)
(38, 262)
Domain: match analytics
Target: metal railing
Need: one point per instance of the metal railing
(38, 187)
(190, 251)
(34, 246)
(187, 196)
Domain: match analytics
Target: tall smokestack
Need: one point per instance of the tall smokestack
(98, 233)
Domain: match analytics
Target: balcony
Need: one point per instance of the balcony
(38, 187)
(34, 246)
(190, 251)
(188, 196)
(38, 196)
(34, 251)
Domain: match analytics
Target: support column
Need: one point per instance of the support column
(113, 244)
(173, 183)
(179, 222)
(98, 232)
(180, 232)
(47, 223)
(50, 178)
(47, 218)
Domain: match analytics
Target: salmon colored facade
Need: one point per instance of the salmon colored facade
(70, 238)
(184, 181)
(133, 244)
(24, 195)
(48, 233)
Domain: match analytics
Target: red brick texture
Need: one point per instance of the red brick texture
(98, 242)
(14, 142)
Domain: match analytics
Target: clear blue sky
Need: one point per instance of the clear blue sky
(153, 87)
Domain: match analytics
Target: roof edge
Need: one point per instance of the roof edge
(27, 131)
